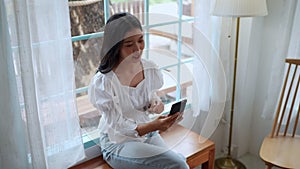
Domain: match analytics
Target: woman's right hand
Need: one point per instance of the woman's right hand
(163, 122)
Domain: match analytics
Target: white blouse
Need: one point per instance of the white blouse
(124, 107)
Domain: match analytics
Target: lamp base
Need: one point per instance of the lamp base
(228, 163)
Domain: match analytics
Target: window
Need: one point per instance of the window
(168, 36)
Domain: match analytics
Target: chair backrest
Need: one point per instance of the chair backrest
(288, 102)
(135, 7)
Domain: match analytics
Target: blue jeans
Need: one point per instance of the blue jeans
(151, 154)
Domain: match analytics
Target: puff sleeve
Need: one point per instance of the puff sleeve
(102, 97)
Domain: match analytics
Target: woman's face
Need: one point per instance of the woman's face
(132, 46)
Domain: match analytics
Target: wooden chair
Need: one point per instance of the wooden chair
(135, 7)
(282, 147)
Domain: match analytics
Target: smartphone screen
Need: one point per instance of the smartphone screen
(178, 107)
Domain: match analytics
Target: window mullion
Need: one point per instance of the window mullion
(146, 23)
(179, 40)
(106, 10)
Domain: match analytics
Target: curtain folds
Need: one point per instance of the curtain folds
(215, 45)
(287, 46)
(43, 64)
(210, 67)
(260, 68)
(11, 127)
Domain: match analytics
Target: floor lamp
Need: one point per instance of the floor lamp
(235, 9)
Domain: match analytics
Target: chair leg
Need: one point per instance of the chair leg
(268, 166)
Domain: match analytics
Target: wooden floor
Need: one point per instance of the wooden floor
(197, 150)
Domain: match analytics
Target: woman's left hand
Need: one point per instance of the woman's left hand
(156, 106)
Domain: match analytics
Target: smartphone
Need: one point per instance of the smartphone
(178, 107)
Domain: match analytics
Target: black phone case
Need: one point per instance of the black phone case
(178, 107)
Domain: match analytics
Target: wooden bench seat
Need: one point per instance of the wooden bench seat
(179, 139)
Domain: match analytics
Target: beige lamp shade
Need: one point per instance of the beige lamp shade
(239, 8)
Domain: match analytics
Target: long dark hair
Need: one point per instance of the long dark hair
(114, 32)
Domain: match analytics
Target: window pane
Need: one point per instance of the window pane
(86, 55)
(88, 20)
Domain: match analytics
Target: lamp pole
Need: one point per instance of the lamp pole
(228, 162)
(233, 83)
(236, 9)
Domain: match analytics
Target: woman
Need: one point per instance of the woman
(123, 89)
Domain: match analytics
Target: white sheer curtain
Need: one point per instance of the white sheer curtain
(215, 46)
(287, 46)
(211, 66)
(41, 53)
(11, 127)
